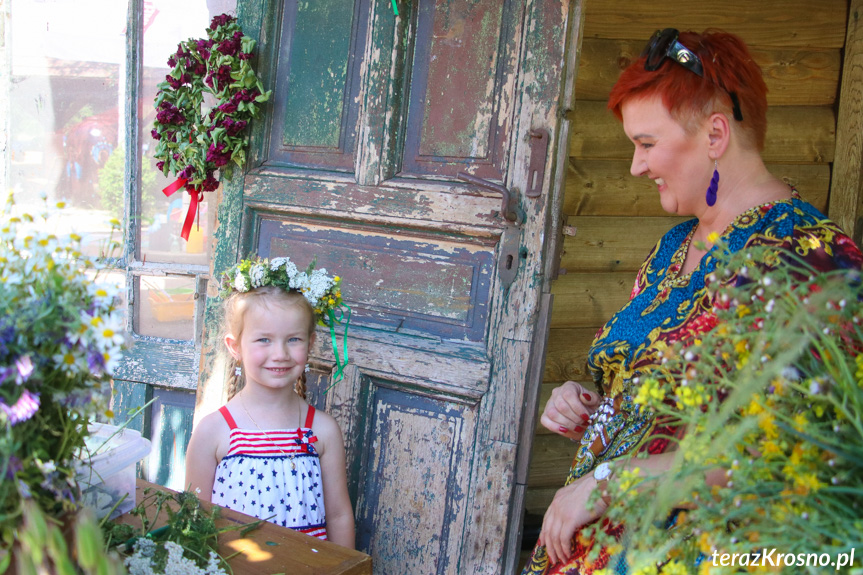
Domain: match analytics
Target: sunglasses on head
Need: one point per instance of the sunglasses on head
(664, 45)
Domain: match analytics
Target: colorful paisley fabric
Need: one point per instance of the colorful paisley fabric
(666, 306)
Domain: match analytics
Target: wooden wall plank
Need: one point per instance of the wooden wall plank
(589, 299)
(795, 134)
(606, 188)
(608, 244)
(846, 207)
(552, 456)
(537, 500)
(794, 76)
(786, 23)
(566, 355)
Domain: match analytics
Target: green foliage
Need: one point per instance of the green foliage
(112, 187)
(45, 545)
(771, 399)
(60, 338)
(194, 140)
(187, 525)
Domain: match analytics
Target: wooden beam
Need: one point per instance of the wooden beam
(566, 356)
(612, 244)
(788, 23)
(795, 134)
(794, 76)
(846, 194)
(552, 457)
(606, 188)
(589, 299)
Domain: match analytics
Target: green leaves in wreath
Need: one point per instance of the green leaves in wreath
(193, 140)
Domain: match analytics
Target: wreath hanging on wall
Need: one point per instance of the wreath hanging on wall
(195, 142)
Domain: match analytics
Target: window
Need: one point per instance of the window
(81, 77)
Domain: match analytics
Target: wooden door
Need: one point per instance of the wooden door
(357, 163)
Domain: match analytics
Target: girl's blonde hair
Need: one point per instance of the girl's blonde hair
(236, 306)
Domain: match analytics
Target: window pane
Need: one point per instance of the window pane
(166, 23)
(167, 307)
(66, 100)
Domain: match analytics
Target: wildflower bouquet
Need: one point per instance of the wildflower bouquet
(60, 337)
(772, 404)
(185, 545)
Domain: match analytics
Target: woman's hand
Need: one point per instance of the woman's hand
(568, 410)
(569, 511)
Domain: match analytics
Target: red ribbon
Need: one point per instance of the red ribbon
(193, 206)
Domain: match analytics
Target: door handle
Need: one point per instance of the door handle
(509, 254)
(509, 208)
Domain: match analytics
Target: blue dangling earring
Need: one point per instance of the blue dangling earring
(714, 185)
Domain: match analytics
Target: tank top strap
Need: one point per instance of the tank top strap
(310, 416)
(228, 417)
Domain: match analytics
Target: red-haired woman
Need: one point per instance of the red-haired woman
(694, 105)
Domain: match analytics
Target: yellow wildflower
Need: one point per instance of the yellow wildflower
(767, 423)
(675, 568)
(807, 482)
(770, 448)
(629, 478)
(712, 237)
(797, 454)
(754, 407)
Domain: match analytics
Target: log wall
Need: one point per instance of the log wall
(613, 219)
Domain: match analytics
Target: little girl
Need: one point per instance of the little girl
(258, 454)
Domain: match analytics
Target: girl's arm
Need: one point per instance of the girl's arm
(337, 503)
(201, 455)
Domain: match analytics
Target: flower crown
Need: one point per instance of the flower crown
(321, 290)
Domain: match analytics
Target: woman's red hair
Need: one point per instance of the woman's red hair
(728, 67)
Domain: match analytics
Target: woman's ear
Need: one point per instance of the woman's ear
(719, 134)
(233, 346)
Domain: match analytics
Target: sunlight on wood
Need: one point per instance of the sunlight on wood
(251, 550)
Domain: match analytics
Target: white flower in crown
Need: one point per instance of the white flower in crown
(276, 263)
(319, 284)
(300, 281)
(256, 274)
(240, 283)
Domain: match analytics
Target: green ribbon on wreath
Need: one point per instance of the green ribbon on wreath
(340, 365)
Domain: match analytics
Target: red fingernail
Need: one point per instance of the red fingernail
(563, 429)
(586, 396)
(579, 429)
(585, 417)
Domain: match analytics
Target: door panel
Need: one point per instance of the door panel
(410, 516)
(356, 165)
(318, 81)
(461, 88)
(384, 274)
